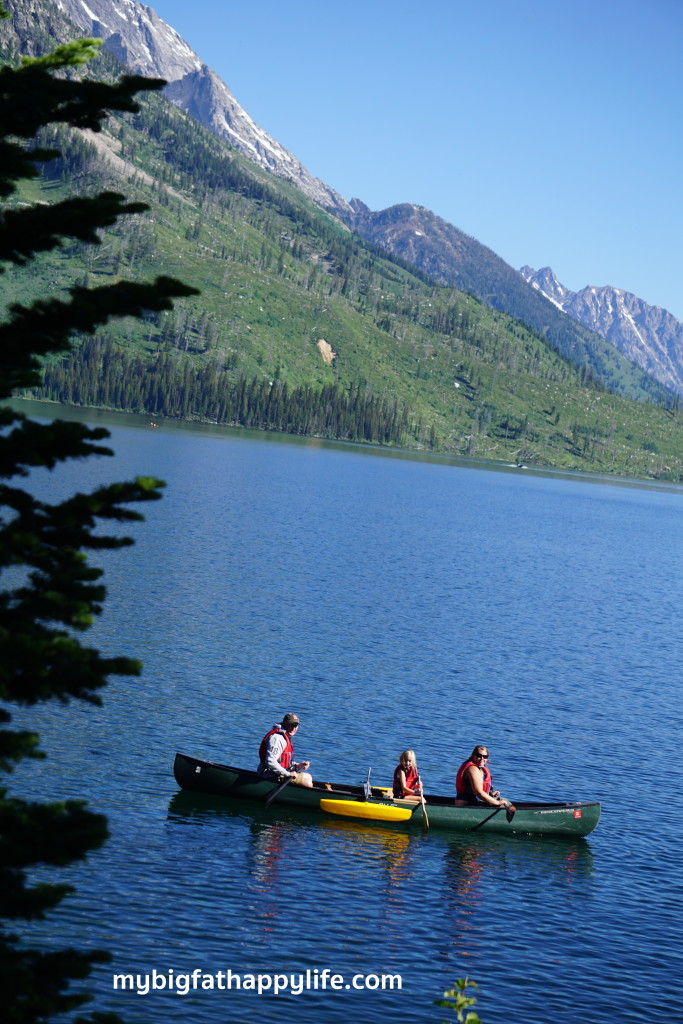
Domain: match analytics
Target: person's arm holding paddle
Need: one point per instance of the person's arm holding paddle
(476, 783)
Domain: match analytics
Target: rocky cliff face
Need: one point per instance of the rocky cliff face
(135, 34)
(649, 336)
(147, 45)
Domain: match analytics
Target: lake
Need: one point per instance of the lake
(392, 601)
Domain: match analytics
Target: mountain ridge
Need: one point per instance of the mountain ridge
(144, 42)
(138, 37)
(456, 259)
(648, 335)
(301, 325)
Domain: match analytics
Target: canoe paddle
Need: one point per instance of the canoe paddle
(425, 819)
(509, 814)
(271, 797)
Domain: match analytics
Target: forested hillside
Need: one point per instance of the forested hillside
(301, 326)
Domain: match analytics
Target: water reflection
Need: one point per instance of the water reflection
(473, 868)
(391, 849)
(453, 879)
(349, 866)
(270, 831)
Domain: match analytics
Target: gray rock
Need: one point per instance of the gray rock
(648, 335)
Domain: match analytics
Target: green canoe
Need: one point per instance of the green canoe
(557, 819)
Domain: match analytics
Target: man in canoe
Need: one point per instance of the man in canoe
(473, 782)
(276, 754)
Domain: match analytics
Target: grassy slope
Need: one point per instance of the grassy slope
(277, 275)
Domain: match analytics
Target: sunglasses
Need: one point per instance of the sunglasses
(485, 757)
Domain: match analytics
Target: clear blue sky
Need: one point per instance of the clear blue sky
(551, 130)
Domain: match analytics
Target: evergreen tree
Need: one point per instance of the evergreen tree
(51, 594)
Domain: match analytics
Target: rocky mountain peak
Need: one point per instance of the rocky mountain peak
(546, 282)
(649, 336)
(139, 38)
(136, 35)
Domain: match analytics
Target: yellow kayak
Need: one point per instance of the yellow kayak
(359, 809)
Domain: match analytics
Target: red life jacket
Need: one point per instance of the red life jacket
(412, 779)
(287, 753)
(463, 788)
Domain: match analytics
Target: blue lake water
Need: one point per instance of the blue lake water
(392, 602)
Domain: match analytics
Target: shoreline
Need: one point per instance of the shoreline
(142, 420)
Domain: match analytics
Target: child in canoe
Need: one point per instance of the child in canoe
(407, 784)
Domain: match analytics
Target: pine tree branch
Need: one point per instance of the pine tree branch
(28, 231)
(50, 323)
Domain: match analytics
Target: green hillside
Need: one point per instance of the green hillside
(302, 326)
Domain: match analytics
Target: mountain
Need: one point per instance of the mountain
(300, 325)
(649, 336)
(545, 282)
(454, 258)
(138, 37)
(142, 41)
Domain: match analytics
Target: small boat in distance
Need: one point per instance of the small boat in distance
(375, 804)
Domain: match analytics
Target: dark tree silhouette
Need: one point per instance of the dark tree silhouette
(49, 592)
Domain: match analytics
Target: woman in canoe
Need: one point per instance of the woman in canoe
(473, 782)
(407, 785)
